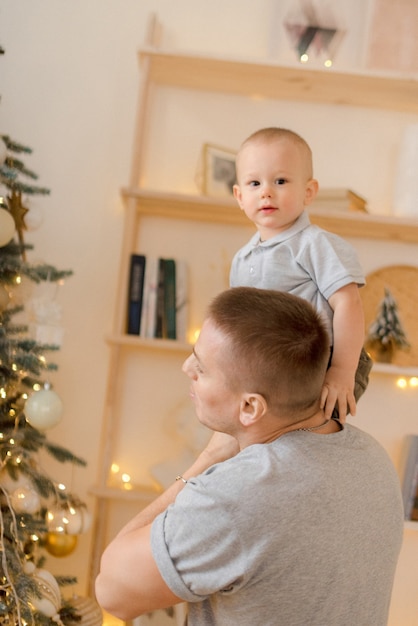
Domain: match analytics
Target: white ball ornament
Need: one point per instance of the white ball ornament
(7, 227)
(25, 500)
(10, 484)
(50, 602)
(43, 409)
(73, 520)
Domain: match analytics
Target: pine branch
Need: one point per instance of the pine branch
(14, 146)
(63, 455)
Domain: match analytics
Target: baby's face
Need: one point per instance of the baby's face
(274, 184)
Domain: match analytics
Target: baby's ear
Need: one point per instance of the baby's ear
(237, 194)
(311, 191)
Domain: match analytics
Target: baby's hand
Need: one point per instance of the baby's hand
(338, 392)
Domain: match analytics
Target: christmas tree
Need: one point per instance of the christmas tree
(386, 332)
(38, 515)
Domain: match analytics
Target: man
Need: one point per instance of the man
(285, 519)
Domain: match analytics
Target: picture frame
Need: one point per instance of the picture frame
(215, 174)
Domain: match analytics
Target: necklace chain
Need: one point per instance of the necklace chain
(315, 427)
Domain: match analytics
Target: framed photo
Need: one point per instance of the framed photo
(215, 176)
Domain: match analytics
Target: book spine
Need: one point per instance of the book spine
(149, 301)
(135, 293)
(159, 314)
(170, 331)
(181, 300)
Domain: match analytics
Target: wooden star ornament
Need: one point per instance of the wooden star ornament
(18, 212)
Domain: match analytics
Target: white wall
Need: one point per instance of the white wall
(69, 88)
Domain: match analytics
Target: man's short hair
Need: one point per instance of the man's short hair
(277, 345)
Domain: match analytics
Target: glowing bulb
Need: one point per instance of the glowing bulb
(114, 468)
(61, 487)
(37, 386)
(401, 383)
(194, 335)
(328, 63)
(304, 58)
(126, 478)
(18, 280)
(413, 382)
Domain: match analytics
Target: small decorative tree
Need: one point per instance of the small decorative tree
(386, 333)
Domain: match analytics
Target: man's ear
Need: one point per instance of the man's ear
(252, 408)
(311, 191)
(237, 194)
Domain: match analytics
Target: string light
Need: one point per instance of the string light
(403, 383)
(120, 479)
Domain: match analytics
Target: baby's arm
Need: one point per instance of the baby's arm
(348, 327)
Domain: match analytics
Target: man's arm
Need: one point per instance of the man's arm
(348, 328)
(129, 583)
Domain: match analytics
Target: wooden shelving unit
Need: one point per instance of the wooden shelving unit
(267, 80)
(203, 209)
(249, 79)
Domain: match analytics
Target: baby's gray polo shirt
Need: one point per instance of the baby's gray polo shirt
(304, 260)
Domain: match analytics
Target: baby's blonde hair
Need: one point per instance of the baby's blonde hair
(274, 133)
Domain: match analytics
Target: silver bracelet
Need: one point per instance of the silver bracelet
(183, 480)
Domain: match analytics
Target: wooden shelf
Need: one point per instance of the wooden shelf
(144, 496)
(394, 370)
(201, 208)
(267, 80)
(133, 341)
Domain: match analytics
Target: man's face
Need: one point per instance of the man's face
(217, 406)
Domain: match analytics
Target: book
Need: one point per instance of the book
(182, 304)
(410, 478)
(336, 199)
(169, 313)
(149, 303)
(159, 312)
(135, 293)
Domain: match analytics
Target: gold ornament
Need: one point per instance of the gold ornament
(88, 610)
(60, 544)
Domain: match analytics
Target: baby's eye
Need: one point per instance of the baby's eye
(253, 183)
(280, 181)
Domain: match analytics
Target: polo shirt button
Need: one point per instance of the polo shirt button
(252, 270)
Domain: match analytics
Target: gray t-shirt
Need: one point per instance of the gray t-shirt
(304, 530)
(304, 260)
